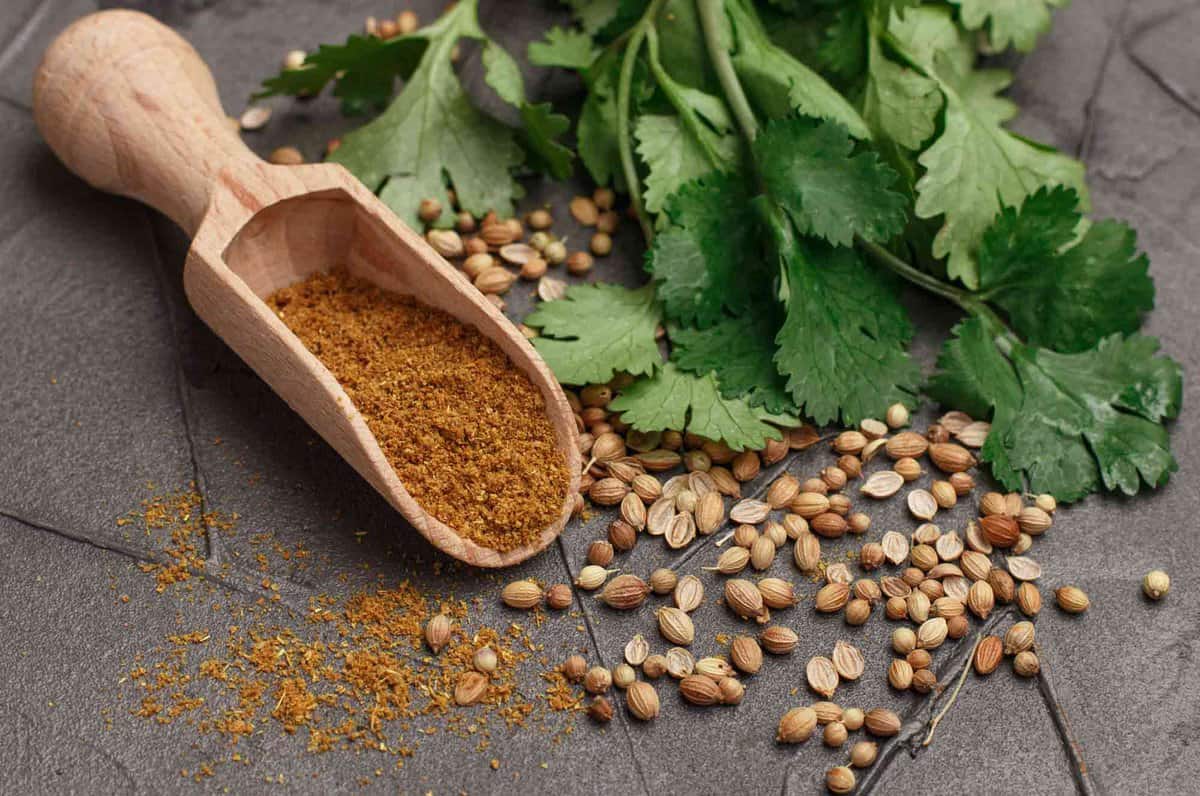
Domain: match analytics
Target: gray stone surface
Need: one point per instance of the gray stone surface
(109, 381)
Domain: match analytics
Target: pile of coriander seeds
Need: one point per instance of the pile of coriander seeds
(931, 583)
(485, 249)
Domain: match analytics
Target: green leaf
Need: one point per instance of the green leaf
(842, 52)
(432, 131)
(675, 155)
(706, 260)
(1059, 293)
(1066, 424)
(501, 72)
(697, 139)
(779, 84)
(810, 169)
(540, 126)
(1020, 22)
(898, 7)
(597, 141)
(899, 103)
(842, 345)
(569, 49)
(672, 399)
(682, 50)
(741, 353)
(976, 165)
(598, 331)
(597, 130)
(593, 15)
(365, 69)
(925, 33)
(540, 130)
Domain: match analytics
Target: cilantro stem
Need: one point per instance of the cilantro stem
(928, 281)
(624, 137)
(708, 11)
(965, 299)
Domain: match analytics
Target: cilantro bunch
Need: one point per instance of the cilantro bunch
(792, 164)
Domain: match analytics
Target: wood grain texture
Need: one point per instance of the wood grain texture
(128, 105)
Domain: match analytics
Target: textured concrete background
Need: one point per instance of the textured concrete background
(108, 381)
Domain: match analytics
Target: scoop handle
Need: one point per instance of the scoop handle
(128, 105)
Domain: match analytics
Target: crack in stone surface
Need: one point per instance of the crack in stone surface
(149, 556)
(1162, 81)
(1111, 46)
(76, 536)
(213, 547)
(618, 708)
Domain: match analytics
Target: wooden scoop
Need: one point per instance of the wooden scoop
(130, 107)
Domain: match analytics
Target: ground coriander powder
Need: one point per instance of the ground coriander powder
(465, 430)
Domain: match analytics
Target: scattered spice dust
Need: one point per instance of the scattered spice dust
(465, 430)
(346, 671)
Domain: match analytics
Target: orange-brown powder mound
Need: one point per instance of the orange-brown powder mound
(465, 430)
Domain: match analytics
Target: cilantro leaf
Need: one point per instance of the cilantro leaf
(1057, 293)
(569, 49)
(887, 7)
(430, 131)
(680, 45)
(593, 15)
(540, 129)
(677, 149)
(672, 399)
(842, 52)
(741, 353)
(705, 261)
(1017, 21)
(540, 126)
(365, 69)
(975, 166)
(779, 84)
(899, 103)
(842, 344)
(598, 331)
(1066, 423)
(926, 33)
(809, 168)
(597, 129)
(501, 72)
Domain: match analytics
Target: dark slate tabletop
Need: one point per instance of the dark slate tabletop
(108, 381)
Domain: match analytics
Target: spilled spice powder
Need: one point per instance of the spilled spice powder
(465, 430)
(341, 672)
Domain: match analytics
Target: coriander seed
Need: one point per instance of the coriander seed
(600, 710)
(597, 680)
(1072, 599)
(839, 779)
(485, 660)
(1156, 584)
(574, 668)
(642, 701)
(559, 597)
(863, 754)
